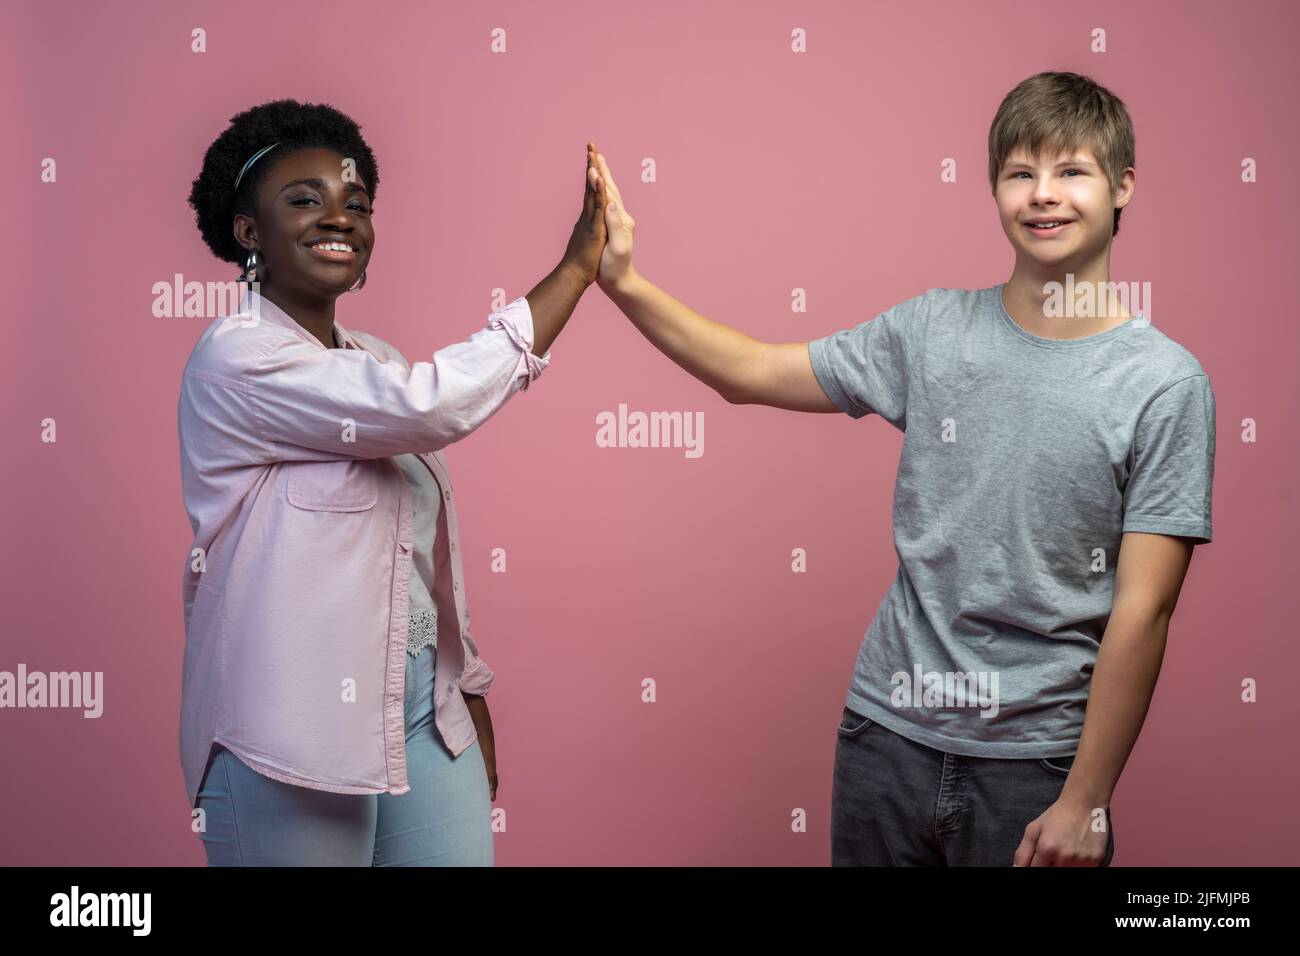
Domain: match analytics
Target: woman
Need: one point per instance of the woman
(332, 706)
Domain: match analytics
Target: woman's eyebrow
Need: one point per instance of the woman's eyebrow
(320, 184)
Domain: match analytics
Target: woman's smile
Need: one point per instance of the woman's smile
(333, 250)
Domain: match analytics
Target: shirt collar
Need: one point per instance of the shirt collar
(268, 311)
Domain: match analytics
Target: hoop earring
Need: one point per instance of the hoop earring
(250, 268)
(360, 283)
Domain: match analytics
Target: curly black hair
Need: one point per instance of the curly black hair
(295, 126)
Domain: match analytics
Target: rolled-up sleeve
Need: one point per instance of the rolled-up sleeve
(519, 327)
(477, 677)
(308, 403)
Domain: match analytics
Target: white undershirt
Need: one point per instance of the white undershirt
(426, 500)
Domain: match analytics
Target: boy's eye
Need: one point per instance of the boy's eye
(1023, 173)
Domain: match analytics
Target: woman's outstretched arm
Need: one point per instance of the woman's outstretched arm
(553, 299)
(252, 397)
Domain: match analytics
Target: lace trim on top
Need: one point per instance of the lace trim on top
(422, 631)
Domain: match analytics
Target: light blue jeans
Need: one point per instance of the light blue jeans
(443, 820)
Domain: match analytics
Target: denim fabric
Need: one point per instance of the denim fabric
(896, 802)
(443, 820)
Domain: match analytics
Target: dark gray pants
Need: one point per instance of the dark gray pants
(895, 802)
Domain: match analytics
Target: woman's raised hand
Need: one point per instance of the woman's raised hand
(582, 255)
(616, 260)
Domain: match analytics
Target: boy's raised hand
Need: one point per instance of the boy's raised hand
(616, 260)
(583, 254)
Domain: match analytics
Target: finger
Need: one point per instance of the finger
(589, 197)
(595, 217)
(601, 199)
(588, 191)
(591, 163)
(1025, 851)
(610, 185)
(615, 223)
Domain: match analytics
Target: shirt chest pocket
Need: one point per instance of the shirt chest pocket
(344, 485)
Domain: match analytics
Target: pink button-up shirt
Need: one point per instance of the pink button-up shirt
(296, 589)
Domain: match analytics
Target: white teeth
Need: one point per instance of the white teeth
(336, 246)
(1046, 225)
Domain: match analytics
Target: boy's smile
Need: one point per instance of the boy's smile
(1047, 228)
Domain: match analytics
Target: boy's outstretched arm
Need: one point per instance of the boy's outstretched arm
(737, 366)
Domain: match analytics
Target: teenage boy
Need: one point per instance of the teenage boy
(1055, 474)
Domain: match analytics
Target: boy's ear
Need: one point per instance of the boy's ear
(1125, 187)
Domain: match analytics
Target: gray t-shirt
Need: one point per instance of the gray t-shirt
(1024, 461)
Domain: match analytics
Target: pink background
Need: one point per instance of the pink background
(775, 170)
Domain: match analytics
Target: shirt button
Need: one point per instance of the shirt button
(455, 585)
(447, 495)
(453, 546)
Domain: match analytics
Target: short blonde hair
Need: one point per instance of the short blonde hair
(1052, 112)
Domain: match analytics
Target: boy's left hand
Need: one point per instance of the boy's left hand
(1063, 836)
